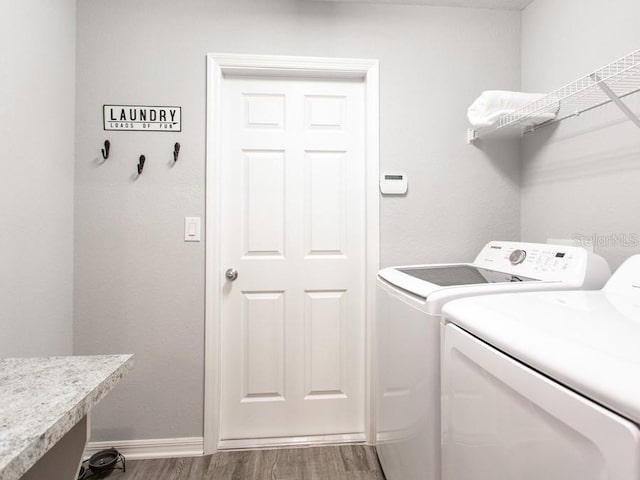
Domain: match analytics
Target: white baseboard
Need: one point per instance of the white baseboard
(154, 448)
(291, 442)
(194, 446)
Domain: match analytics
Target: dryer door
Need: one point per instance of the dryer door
(502, 420)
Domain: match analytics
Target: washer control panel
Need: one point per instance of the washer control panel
(535, 260)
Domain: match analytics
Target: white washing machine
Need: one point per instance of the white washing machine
(407, 360)
(544, 385)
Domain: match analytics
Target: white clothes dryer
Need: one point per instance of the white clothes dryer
(544, 385)
(407, 360)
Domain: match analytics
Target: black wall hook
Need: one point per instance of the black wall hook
(141, 164)
(105, 150)
(176, 151)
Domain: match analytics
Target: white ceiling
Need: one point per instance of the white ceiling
(496, 4)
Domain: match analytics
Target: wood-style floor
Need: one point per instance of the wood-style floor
(345, 462)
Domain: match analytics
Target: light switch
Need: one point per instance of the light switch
(192, 229)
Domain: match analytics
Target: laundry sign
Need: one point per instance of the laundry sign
(142, 118)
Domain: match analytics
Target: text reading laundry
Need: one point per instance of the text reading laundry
(142, 118)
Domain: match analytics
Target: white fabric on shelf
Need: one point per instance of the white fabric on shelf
(491, 104)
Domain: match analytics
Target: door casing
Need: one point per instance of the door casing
(219, 65)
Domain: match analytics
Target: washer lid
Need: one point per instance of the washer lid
(423, 280)
(587, 340)
(450, 275)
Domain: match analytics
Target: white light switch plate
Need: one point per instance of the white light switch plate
(192, 229)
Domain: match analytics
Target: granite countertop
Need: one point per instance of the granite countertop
(41, 399)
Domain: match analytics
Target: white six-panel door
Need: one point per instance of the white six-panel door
(293, 224)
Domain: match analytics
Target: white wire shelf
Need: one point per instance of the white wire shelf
(608, 84)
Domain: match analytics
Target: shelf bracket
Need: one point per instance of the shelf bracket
(471, 136)
(615, 99)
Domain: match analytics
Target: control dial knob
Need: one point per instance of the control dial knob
(517, 257)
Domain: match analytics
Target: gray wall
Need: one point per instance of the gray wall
(139, 288)
(37, 94)
(580, 180)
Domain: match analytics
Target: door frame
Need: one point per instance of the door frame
(219, 65)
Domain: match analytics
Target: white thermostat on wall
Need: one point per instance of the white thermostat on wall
(393, 183)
